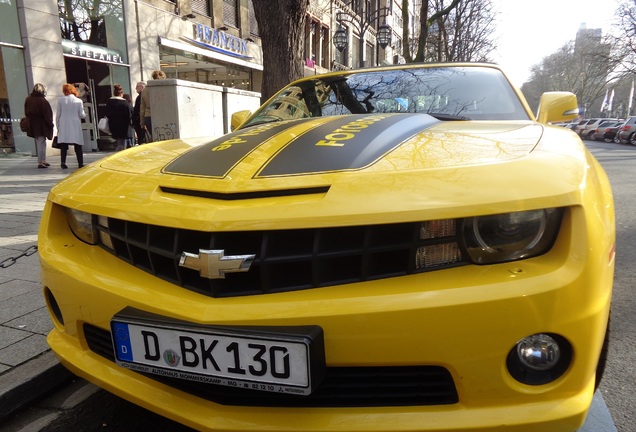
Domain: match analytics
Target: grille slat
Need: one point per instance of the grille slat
(341, 387)
(286, 260)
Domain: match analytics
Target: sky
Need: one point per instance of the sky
(528, 31)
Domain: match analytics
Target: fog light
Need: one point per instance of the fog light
(539, 358)
(539, 352)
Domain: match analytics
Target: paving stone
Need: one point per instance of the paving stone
(24, 350)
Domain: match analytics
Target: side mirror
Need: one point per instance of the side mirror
(557, 107)
(238, 118)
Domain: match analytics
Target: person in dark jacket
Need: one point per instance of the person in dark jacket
(130, 140)
(38, 110)
(140, 128)
(119, 116)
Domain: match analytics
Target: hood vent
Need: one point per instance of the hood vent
(246, 195)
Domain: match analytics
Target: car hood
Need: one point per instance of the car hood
(311, 148)
(344, 165)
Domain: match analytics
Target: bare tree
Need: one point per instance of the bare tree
(626, 37)
(464, 34)
(459, 30)
(586, 67)
(281, 24)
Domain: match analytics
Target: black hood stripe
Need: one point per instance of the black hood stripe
(349, 143)
(344, 143)
(217, 158)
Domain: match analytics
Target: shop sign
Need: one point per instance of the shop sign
(220, 41)
(91, 52)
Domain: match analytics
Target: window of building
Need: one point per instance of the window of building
(230, 13)
(324, 52)
(369, 54)
(200, 7)
(253, 23)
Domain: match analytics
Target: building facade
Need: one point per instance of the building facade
(95, 45)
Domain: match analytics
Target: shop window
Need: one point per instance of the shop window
(81, 23)
(13, 90)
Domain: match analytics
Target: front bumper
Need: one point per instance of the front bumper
(464, 319)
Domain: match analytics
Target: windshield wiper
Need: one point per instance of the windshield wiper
(448, 117)
(263, 120)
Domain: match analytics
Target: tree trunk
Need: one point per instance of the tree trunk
(281, 24)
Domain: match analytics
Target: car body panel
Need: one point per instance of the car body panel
(466, 318)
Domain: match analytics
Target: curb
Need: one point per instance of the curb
(30, 381)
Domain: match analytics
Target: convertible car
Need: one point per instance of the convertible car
(388, 249)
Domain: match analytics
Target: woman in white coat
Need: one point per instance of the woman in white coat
(70, 112)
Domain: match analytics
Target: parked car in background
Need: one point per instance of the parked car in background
(567, 125)
(404, 248)
(588, 130)
(626, 132)
(580, 125)
(606, 131)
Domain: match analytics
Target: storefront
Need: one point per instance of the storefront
(212, 56)
(94, 70)
(95, 45)
(95, 58)
(190, 48)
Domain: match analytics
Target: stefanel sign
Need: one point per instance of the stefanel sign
(91, 52)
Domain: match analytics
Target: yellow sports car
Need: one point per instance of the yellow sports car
(388, 249)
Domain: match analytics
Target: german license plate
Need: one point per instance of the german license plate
(275, 359)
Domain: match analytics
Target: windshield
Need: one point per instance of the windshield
(448, 93)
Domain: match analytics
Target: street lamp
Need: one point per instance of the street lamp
(362, 22)
(340, 38)
(383, 35)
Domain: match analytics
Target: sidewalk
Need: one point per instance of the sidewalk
(28, 368)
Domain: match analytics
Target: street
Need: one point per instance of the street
(83, 407)
(617, 387)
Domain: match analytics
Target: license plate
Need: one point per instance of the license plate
(275, 359)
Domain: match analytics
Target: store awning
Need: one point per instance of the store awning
(208, 53)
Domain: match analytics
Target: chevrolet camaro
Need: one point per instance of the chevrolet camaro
(405, 248)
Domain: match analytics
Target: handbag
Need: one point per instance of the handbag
(102, 125)
(55, 144)
(25, 124)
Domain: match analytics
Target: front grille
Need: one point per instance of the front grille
(341, 387)
(286, 260)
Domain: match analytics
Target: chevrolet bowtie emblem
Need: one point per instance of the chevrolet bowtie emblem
(212, 264)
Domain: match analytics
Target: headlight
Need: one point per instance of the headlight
(82, 224)
(510, 236)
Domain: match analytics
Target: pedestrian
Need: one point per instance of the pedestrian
(140, 129)
(70, 112)
(119, 116)
(144, 109)
(38, 110)
(130, 139)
